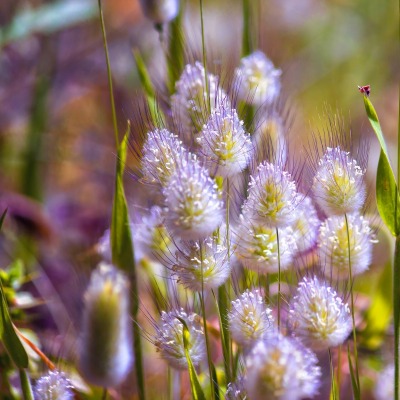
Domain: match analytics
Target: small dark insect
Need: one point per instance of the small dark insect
(365, 89)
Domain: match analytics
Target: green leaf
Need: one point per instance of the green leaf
(25, 385)
(387, 194)
(197, 391)
(247, 47)
(8, 335)
(121, 237)
(215, 380)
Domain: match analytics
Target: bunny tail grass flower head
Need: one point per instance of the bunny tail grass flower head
(339, 183)
(272, 196)
(191, 104)
(193, 206)
(160, 11)
(257, 80)
(202, 264)
(54, 386)
(257, 246)
(306, 226)
(318, 315)
(281, 368)
(334, 243)
(224, 144)
(106, 339)
(162, 151)
(169, 339)
(250, 319)
(236, 390)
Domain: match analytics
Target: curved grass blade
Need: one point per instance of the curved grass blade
(8, 335)
(197, 391)
(387, 194)
(354, 385)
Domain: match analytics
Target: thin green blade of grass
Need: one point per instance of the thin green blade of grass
(8, 335)
(148, 87)
(26, 386)
(3, 217)
(176, 50)
(216, 385)
(122, 252)
(197, 391)
(354, 386)
(222, 310)
(247, 46)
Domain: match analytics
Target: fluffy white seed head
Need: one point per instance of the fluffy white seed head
(318, 315)
(250, 319)
(333, 245)
(193, 206)
(105, 346)
(338, 183)
(257, 80)
(160, 11)
(54, 386)
(257, 246)
(224, 144)
(272, 196)
(236, 390)
(169, 339)
(384, 388)
(306, 225)
(281, 368)
(191, 105)
(202, 264)
(162, 152)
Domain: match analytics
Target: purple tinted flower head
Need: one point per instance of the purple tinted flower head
(281, 368)
(193, 205)
(169, 339)
(318, 315)
(338, 183)
(224, 144)
(334, 240)
(272, 196)
(257, 80)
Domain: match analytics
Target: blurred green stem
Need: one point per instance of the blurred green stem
(396, 315)
(25, 385)
(356, 391)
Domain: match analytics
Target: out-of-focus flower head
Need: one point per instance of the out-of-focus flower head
(281, 368)
(257, 80)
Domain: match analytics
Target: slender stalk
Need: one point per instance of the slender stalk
(203, 46)
(396, 315)
(339, 368)
(114, 114)
(333, 383)
(104, 395)
(203, 311)
(352, 307)
(279, 280)
(26, 386)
